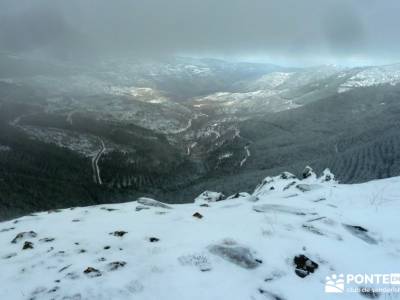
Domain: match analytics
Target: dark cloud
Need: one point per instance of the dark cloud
(286, 28)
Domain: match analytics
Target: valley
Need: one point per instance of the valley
(173, 129)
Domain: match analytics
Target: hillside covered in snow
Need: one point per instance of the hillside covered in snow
(280, 242)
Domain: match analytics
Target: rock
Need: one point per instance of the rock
(46, 240)
(118, 233)
(238, 195)
(253, 198)
(7, 229)
(239, 255)
(209, 196)
(289, 185)
(154, 240)
(301, 273)
(141, 207)
(73, 275)
(8, 256)
(198, 215)
(39, 290)
(60, 253)
(151, 202)
(308, 172)
(319, 200)
(108, 209)
(279, 208)
(92, 272)
(197, 260)
(318, 231)
(316, 219)
(204, 205)
(269, 295)
(287, 175)
(264, 183)
(361, 233)
(307, 187)
(64, 268)
(27, 245)
(106, 247)
(304, 265)
(24, 235)
(112, 266)
(312, 229)
(54, 289)
(327, 176)
(274, 275)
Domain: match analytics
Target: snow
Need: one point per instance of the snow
(272, 80)
(84, 144)
(372, 76)
(209, 196)
(225, 155)
(144, 94)
(4, 148)
(241, 248)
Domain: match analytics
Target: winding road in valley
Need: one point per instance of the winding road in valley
(95, 164)
(247, 155)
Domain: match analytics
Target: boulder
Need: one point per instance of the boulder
(27, 245)
(151, 202)
(92, 272)
(239, 195)
(308, 172)
(209, 196)
(141, 207)
(236, 254)
(307, 187)
(120, 233)
(112, 266)
(361, 233)
(24, 235)
(287, 175)
(327, 176)
(198, 215)
(266, 181)
(280, 208)
(304, 265)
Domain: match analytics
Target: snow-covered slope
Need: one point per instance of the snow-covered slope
(372, 76)
(244, 247)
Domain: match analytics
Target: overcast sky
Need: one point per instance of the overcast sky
(284, 31)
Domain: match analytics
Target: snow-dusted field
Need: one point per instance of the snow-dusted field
(243, 247)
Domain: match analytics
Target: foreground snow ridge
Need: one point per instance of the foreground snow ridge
(280, 242)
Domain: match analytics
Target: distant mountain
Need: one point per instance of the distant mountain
(122, 128)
